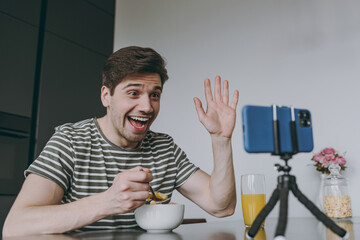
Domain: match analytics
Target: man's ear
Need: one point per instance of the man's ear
(105, 96)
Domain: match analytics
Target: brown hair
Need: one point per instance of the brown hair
(132, 60)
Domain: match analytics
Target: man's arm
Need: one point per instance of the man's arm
(216, 194)
(38, 208)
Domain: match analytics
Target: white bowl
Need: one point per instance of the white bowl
(159, 236)
(159, 218)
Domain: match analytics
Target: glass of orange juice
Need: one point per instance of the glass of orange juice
(252, 196)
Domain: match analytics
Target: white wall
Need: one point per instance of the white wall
(301, 53)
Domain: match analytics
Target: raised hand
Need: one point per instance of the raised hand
(220, 117)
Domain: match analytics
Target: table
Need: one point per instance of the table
(298, 228)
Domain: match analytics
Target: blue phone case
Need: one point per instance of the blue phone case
(258, 130)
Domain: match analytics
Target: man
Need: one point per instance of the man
(93, 174)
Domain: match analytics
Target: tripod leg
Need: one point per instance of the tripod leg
(282, 222)
(263, 214)
(317, 213)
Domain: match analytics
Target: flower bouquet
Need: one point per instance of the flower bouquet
(326, 157)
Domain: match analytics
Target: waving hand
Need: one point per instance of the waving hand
(220, 117)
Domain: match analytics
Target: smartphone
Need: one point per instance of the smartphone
(258, 130)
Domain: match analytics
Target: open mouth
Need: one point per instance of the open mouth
(139, 122)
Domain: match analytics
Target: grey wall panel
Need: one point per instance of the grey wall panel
(70, 86)
(82, 23)
(18, 44)
(106, 5)
(28, 11)
(71, 69)
(5, 203)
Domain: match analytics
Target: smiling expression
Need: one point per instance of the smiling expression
(132, 108)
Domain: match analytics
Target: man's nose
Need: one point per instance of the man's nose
(145, 104)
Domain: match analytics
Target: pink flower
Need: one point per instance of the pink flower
(326, 164)
(341, 161)
(318, 157)
(329, 151)
(329, 158)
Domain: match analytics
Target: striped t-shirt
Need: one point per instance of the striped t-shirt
(81, 160)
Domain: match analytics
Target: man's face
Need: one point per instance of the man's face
(133, 107)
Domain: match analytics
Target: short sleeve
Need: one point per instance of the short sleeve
(55, 162)
(184, 167)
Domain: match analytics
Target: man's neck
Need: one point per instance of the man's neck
(112, 134)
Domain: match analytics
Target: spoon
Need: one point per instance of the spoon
(155, 198)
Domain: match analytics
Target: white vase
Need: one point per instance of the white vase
(320, 199)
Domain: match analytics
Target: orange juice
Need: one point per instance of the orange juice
(251, 206)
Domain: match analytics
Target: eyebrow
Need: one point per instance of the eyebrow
(139, 85)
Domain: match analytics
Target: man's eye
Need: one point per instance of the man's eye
(133, 93)
(155, 95)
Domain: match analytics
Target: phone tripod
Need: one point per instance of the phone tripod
(286, 183)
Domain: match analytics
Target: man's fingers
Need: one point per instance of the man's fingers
(142, 169)
(208, 92)
(130, 186)
(235, 99)
(137, 174)
(139, 168)
(217, 89)
(199, 109)
(138, 192)
(225, 92)
(136, 204)
(134, 200)
(141, 176)
(140, 195)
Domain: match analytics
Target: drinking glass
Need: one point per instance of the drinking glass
(252, 196)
